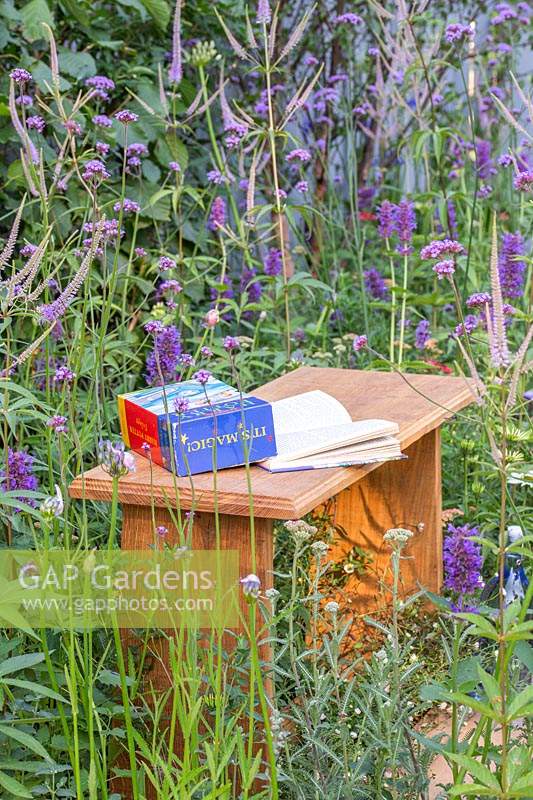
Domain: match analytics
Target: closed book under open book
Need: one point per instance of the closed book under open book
(315, 431)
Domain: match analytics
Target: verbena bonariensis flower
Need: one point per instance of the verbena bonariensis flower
(405, 225)
(217, 215)
(128, 206)
(215, 177)
(28, 250)
(20, 76)
(174, 166)
(126, 116)
(36, 123)
(167, 287)
(441, 247)
(273, 263)
(166, 263)
(505, 160)
(58, 423)
(462, 561)
(231, 344)
(63, 375)
(102, 86)
(422, 334)
(375, 284)
(471, 322)
(455, 32)
(202, 376)
(511, 267)
(359, 343)
(20, 475)
(523, 181)
(136, 149)
(113, 458)
(102, 148)
(299, 154)
(386, 213)
(162, 362)
(95, 171)
(478, 300)
(444, 268)
(349, 19)
(102, 121)
(181, 405)
(484, 163)
(302, 187)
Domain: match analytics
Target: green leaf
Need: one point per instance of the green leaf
(159, 10)
(25, 740)
(523, 699)
(15, 663)
(13, 786)
(477, 769)
(79, 65)
(524, 652)
(30, 686)
(33, 14)
(471, 788)
(523, 787)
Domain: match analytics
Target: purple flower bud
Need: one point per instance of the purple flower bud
(202, 376)
(20, 76)
(251, 586)
(57, 423)
(36, 123)
(359, 343)
(231, 343)
(126, 116)
(181, 405)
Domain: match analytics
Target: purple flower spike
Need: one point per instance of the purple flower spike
(162, 363)
(264, 15)
(273, 263)
(19, 476)
(217, 216)
(462, 560)
(511, 267)
(375, 284)
(422, 334)
(386, 213)
(405, 225)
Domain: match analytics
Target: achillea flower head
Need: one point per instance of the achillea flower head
(359, 343)
(405, 225)
(128, 206)
(299, 154)
(478, 300)
(20, 475)
(264, 14)
(386, 213)
(126, 116)
(375, 284)
(523, 181)
(166, 263)
(348, 19)
(202, 376)
(58, 423)
(511, 268)
(444, 268)
(422, 334)
(217, 215)
(441, 247)
(273, 263)
(455, 32)
(113, 458)
(462, 561)
(20, 76)
(102, 121)
(162, 363)
(95, 171)
(36, 123)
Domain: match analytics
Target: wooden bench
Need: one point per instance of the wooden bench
(368, 500)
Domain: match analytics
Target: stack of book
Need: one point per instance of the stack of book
(222, 427)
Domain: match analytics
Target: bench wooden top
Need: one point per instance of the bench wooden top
(291, 495)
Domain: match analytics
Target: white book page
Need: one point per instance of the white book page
(306, 443)
(307, 411)
(343, 456)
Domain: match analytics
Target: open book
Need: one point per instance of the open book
(313, 431)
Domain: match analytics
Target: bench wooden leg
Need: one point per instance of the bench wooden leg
(138, 534)
(396, 494)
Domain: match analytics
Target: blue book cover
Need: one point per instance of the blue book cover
(219, 428)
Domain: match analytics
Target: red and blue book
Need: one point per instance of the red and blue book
(221, 427)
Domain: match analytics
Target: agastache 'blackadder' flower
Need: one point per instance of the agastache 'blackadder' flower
(422, 334)
(114, 459)
(462, 560)
(217, 216)
(512, 268)
(273, 263)
(19, 475)
(251, 586)
(163, 360)
(386, 212)
(52, 507)
(405, 225)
